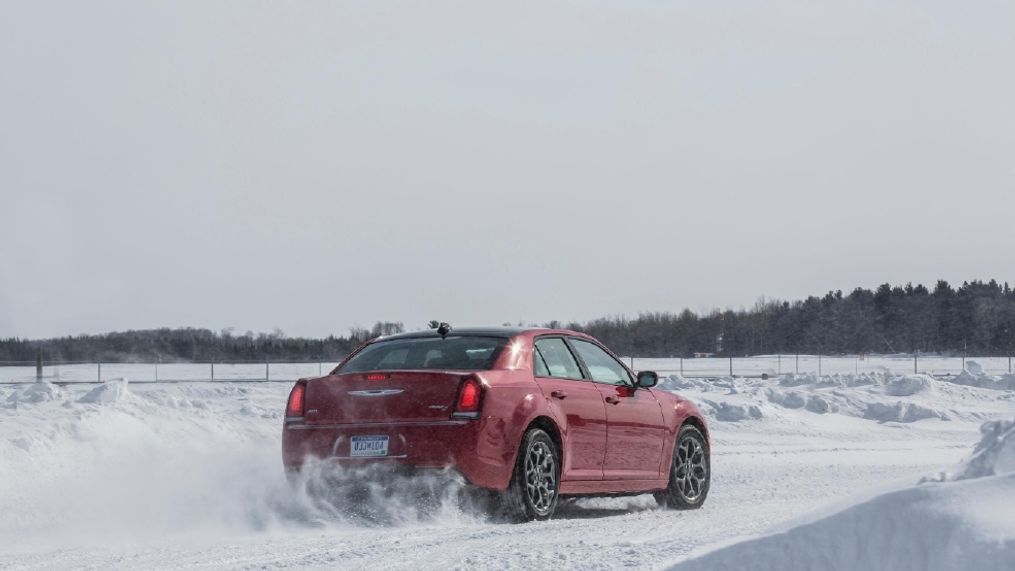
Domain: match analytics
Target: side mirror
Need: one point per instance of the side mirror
(647, 379)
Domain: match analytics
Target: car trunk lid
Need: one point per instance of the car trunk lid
(382, 396)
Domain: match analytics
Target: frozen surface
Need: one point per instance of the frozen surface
(139, 475)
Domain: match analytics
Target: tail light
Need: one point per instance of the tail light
(296, 398)
(470, 397)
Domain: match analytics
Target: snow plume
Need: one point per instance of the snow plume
(378, 495)
(96, 460)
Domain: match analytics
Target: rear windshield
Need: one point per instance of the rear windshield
(461, 353)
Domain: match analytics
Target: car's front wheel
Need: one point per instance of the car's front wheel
(533, 493)
(690, 472)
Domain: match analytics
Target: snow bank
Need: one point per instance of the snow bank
(677, 382)
(900, 412)
(947, 525)
(107, 393)
(796, 399)
(974, 376)
(877, 397)
(836, 380)
(34, 393)
(994, 455)
(956, 526)
(908, 385)
(728, 412)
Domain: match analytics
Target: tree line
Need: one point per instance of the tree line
(977, 318)
(191, 344)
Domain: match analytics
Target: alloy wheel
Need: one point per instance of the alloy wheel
(690, 470)
(540, 477)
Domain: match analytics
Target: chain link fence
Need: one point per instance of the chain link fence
(700, 367)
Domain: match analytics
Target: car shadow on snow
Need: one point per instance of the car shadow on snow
(597, 508)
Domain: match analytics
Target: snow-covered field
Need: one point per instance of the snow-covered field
(818, 471)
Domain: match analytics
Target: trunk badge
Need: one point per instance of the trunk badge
(375, 393)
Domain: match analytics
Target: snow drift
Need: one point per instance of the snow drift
(995, 454)
(960, 523)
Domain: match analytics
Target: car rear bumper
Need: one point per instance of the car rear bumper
(474, 448)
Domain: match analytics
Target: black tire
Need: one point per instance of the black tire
(690, 471)
(535, 484)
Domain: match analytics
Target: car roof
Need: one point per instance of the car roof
(479, 331)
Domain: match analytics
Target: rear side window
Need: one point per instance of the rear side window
(556, 358)
(460, 353)
(602, 367)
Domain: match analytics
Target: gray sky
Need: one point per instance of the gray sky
(315, 165)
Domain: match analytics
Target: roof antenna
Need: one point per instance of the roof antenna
(442, 327)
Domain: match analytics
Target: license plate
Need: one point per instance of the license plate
(368, 446)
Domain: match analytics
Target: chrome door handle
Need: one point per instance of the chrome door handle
(559, 395)
(613, 400)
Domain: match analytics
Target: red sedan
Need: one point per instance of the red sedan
(532, 414)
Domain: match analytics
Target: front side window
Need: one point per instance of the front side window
(601, 365)
(552, 356)
(462, 353)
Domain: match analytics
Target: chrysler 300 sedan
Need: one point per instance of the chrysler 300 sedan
(532, 415)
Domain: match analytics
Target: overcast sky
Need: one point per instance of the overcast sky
(316, 165)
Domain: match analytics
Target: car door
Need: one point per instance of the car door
(560, 379)
(635, 429)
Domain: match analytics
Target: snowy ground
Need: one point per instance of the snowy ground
(142, 475)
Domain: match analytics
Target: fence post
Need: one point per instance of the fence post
(819, 364)
(797, 366)
(156, 371)
(731, 364)
(682, 365)
(38, 367)
(319, 369)
(100, 371)
(1009, 364)
(779, 357)
(213, 370)
(266, 374)
(632, 363)
(856, 364)
(916, 356)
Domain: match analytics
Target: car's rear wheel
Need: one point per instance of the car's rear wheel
(533, 492)
(690, 472)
